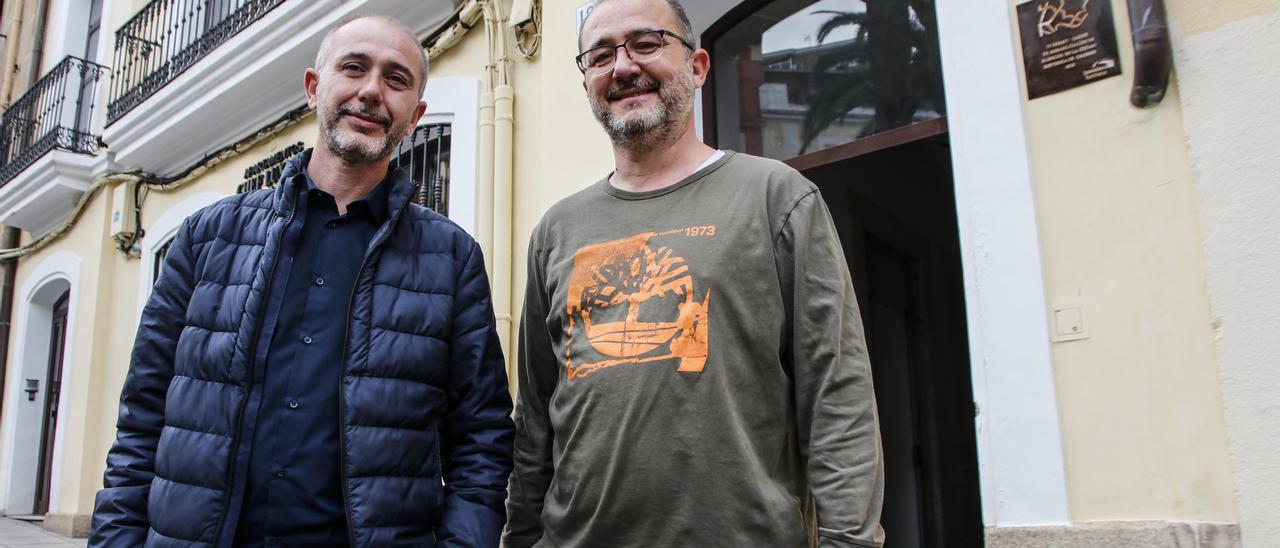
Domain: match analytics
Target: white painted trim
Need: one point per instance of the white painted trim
(456, 100)
(161, 231)
(66, 267)
(1019, 441)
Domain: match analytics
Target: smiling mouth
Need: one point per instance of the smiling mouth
(631, 91)
(364, 120)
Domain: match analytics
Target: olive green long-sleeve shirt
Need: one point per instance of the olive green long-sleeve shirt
(692, 362)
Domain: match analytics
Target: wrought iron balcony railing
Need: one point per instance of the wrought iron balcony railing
(166, 37)
(57, 112)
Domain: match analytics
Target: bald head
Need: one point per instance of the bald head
(391, 25)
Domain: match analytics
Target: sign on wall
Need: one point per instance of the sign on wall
(1067, 44)
(583, 10)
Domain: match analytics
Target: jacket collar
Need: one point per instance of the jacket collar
(399, 187)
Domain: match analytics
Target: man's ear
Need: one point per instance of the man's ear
(422, 109)
(701, 61)
(311, 82)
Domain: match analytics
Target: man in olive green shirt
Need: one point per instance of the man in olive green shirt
(692, 363)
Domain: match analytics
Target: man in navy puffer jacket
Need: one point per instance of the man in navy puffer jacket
(318, 364)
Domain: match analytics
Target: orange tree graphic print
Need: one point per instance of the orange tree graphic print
(632, 303)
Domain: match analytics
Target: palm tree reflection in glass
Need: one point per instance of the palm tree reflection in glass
(887, 76)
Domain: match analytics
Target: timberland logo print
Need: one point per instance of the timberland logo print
(634, 301)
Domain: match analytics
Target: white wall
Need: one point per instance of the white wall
(1228, 80)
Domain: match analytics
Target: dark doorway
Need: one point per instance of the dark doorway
(895, 211)
(850, 93)
(53, 383)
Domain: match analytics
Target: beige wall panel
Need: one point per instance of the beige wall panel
(1196, 16)
(1143, 430)
(1229, 79)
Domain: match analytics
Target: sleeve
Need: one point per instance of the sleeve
(838, 434)
(476, 430)
(120, 508)
(539, 373)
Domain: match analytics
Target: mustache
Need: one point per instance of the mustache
(366, 113)
(636, 84)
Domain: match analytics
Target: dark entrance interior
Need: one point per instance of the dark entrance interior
(850, 92)
(895, 211)
(57, 346)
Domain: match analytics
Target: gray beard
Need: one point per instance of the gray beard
(655, 127)
(356, 152)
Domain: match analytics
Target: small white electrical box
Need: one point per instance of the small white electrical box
(521, 12)
(122, 210)
(1068, 323)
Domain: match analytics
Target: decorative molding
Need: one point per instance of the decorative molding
(43, 195)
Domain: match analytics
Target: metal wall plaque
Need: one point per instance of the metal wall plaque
(1067, 44)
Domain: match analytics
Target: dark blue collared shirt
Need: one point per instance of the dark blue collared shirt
(294, 495)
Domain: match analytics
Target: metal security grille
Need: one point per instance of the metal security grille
(266, 172)
(425, 154)
(161, 253)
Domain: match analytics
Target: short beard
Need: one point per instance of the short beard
(655, 127)
(355, 151)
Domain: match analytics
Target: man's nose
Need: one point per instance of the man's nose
(624, 66)
(371, 88)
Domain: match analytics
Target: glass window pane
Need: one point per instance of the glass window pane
(799, 76)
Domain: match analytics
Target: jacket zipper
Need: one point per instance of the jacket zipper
(378, 240)
(253, 350)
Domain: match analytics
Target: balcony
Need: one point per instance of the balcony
(192, 76)
(47, 149)
(166, 37)
(55, 113)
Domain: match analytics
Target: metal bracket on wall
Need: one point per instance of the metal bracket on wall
(1152, 52)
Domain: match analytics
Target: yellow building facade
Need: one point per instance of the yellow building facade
(1066, 296)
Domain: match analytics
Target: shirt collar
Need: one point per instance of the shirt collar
(375, 200)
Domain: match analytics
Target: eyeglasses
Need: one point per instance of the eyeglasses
(642, 47)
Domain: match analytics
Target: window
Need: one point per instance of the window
(799, 76)
(425, 154)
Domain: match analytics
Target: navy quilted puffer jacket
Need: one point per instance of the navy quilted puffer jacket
(426, 431)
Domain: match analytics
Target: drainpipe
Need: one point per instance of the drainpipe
(12, 237)
(37, 46)
(11, 52)
(10, 240)
(484, 187)
(503, 176)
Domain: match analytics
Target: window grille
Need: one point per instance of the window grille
(158, 266)
(425, 154)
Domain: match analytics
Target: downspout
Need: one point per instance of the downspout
(12, 237)
(503, 178)
(37, 46)
(11, 52)
(484, 186)
(10, 240)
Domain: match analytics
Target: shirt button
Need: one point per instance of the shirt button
(293, 404)
(319, 280)
(306, 340)
(281, 473)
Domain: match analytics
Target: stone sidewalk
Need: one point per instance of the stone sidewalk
(15, 533)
